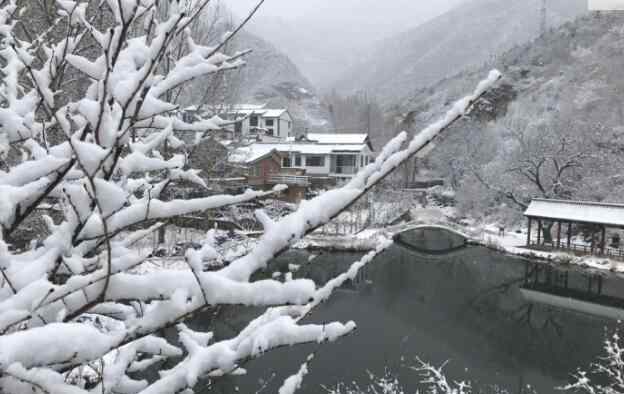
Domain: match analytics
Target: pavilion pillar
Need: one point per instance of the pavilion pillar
(558, 235)
(603, 237)
(569, 234)
(539, 232)
(593, 239)
(529, 232)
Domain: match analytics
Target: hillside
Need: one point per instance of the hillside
(268, 77)
(565, 86)
(271, 77)
(468, 35)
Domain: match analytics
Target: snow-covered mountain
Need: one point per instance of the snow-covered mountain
(324, 46)
(571, 78)
(322, 61)
(271, 77)
(469, 35)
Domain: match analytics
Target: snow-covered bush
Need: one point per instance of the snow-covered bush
(90, 144)
(433, 380)
(606, 374)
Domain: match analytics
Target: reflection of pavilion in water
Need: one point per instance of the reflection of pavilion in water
(573, 290)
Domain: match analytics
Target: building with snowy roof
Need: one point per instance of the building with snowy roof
(272, 123)
(248, 120)
(595, 217)
(340, 138)
(320, 161)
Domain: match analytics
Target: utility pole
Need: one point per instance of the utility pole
(543, 17)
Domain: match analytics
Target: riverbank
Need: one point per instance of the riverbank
(515, 244)
(510, 243)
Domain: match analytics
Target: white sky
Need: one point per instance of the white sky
(606, 5)
(388, 16)
(316, 32)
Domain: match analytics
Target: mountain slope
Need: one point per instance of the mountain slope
(271, 77)
(469, 35)
(566, 83)
(268, 77)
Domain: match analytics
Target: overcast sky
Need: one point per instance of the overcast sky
(314, 33)
(388, 16)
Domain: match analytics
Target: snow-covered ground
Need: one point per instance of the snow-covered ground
(515, 244)
(361, 242)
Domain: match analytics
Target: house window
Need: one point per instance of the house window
(344, 164)
(298, 161)
(253, 121)
(361, 161)
(346, 160)
(286, 162)
(187, 117)
(289, 124)
(270, 132)
(315, 161)
(254, 171)
(269, 122)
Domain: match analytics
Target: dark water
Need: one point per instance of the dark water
(465, 307)
(431, 240)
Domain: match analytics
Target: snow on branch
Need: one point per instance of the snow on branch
(293, 382)
(605, 375)
(96, 155)
(315, 213)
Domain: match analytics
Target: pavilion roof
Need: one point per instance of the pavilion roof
(607, 214)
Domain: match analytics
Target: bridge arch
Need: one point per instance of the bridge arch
(431, 239)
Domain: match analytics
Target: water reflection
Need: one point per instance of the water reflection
(573, 290)
(469, 308)
(431, 240)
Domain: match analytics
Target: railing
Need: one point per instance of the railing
(580, 249)
(296, 180)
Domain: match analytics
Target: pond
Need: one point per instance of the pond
(469, 307)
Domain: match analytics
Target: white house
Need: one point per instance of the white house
(338, 156)
(274, 123)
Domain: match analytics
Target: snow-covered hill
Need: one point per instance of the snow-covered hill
(568, 81)
(271, 77)
(467, 36)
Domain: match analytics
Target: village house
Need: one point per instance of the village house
(265, 171)
(317, 160)
(268, 152)
(271, 123)
(248, 121)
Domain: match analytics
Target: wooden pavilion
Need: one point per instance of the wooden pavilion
(597, 216)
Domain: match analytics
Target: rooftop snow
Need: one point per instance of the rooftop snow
(338, 138)
(265, 113)
(577, 211)
(248, 107)
(253, 152)
(273, 113)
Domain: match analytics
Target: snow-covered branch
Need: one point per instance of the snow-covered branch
(605, 375)
(96, 153)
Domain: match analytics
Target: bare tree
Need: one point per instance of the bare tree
(546, 159)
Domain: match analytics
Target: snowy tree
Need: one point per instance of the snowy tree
(106, 174)
(605, 375)
(433, 381)
(549, 157)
